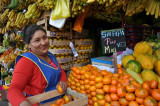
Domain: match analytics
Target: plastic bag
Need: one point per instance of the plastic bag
(61, 10)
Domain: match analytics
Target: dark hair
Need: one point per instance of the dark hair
(29, 30)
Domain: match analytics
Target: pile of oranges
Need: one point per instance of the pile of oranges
(105, 88)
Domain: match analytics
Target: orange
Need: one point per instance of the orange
(60, 102)
(60, 89)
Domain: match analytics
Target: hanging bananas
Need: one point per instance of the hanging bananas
(153, 8)
(46, 4)
(134, 7)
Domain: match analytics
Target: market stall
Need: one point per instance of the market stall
(83, 36)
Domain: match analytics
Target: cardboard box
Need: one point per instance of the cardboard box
(102, 61)
(79, 98)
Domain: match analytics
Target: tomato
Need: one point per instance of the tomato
(60, 89)
(106, 88)
(156, 94)
(130, 88)
(82, 77)
(130, 96)
(115, 75)
(140, 100)
(141, 93)
(107, 80)
(113, 89)
(149, 101)
(93, 94)
(107, 104)
(146, 86)
(104, 72)
(125, 82)
(92, 83)
(107, 98)
(153, 84)
(81, 82)
(90, 102)
(92, 88)
(123, 101)
(114, 82)
(88, 91)
(96, 104)
(66, 98)
(99, 96)
(53, 105)
(92, 77)
(99, 85)
(86, 81)
(82, 71)
(89, 96)
(121, 91)
(101, 102)
(99, 79)
(115, 103)
(133, 103)
(114, 96)
(60, 102)
(86, 87)
(82, 87)
(126, 76)
(94, 99)
(100, 91)
(87, 75)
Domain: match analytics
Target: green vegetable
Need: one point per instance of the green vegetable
(134, 75)
(13, 4)
(134, 65)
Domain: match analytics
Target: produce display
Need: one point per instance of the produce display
(104, 88)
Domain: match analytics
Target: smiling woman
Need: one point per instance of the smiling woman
(36, 71)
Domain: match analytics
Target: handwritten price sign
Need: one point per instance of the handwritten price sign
(113, 40)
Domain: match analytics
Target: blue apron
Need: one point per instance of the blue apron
(51, 74)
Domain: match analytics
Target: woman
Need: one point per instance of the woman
(36, 71)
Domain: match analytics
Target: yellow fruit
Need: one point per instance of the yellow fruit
(148, 75)
(157, 53)
(125, 60)
(142, 48)
(145, 61)
(157, 67)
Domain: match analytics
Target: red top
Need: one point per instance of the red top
(28, 78)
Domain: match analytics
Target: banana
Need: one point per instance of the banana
(150, 7)
(18, 17)
(8, 24)
(34, 8)
(153, 8)
(157, 10)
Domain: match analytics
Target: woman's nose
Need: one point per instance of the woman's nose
(42, 41)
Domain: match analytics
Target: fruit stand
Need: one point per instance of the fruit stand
(89, 85)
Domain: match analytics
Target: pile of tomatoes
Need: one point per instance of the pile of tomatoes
(61, 101)
(104, 88)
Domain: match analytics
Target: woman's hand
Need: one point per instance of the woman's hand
(25, 103)
(63, 85)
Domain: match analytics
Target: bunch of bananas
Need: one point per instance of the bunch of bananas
(3, 30)
(4, 16)
(46, 4)
(33, 11)
(78, 6)
(134, 7)
(153, 8)
(3, 3)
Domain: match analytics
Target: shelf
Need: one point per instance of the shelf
(65, 60)
(60, 51)
(78, 42)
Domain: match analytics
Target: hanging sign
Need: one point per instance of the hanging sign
(113, 40)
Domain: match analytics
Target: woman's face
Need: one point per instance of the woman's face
(39, 43)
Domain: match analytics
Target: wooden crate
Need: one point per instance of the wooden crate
(60, 51)
(78, 42)
(79, 98)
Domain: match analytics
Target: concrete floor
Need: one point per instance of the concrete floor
(3, 103)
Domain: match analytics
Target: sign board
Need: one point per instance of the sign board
(113, 40)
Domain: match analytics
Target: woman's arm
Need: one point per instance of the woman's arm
(21, 77)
